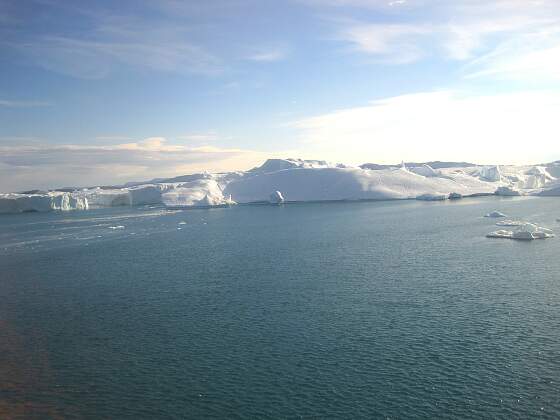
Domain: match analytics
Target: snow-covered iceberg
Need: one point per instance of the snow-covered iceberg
(200, 193)
(41, 202)
(524, 232)
(303, 180)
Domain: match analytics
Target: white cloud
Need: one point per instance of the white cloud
(534, 57)
(458, 30)
(48, 165)
(268, 55)
(507, 128)
(22, 104)
(397, 43)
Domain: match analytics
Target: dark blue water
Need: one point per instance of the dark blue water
(341, 310)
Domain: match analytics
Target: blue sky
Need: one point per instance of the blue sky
(105, 92)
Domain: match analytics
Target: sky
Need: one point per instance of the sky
(104, 92)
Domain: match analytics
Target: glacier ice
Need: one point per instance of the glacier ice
(21, 203)
(302, 180)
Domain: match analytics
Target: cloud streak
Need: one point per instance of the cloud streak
(6, 103)
(461, 31)
(443, 125)
(47, 166)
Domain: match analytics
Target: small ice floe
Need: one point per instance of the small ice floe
(524, 232)
(183, 223)
(276, 198)
(508, 192)
(432, 197)
(495, 213)
(510, 223)
(116, 227)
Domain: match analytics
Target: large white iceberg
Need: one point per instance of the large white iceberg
(200, 193)
(303, 180)
(41, 202)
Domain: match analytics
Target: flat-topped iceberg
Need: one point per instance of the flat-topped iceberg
(432, 197)
(303, 180)
(510, 223)
(22, 203)
(524, 232)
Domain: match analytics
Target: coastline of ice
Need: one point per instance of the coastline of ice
(303, 180)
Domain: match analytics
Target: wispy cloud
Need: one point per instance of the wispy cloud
(534, 57)
(268, 55)
(109, 42)
(142, 47)
(460, 30)
(49, 165)
(6, 103)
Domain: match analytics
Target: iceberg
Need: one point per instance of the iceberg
(495, 213)
(302, 180)
(490, 173)
(433, 197)
(510, 223)
(524, 232)
(425, 170)
(200, 193)
(276, 197)
(508, 191)
(22, 203)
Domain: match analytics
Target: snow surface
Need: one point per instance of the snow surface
(303, 180)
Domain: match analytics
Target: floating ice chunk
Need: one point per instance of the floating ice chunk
(495, 213)
(276, 197)
(182, 223)
(432, 197)
(116, 227)
(510, 223)
(508, 192)
(524, 232)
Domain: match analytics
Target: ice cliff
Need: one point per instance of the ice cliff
(303, 180)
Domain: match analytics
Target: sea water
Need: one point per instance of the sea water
(321, 310)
